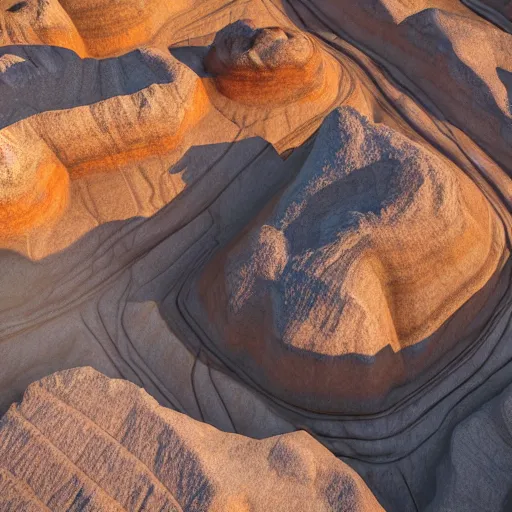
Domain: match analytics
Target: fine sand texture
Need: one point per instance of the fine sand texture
(255, 255)
(141, 456)
(347, 261)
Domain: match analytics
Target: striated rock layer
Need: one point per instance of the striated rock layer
(80, 441)
(457, 61)
(98, 28)
(115, 111)
(266, 66)
(110, 27)
(34, 186)
(476, 473)
(274, 81)
(345, 265)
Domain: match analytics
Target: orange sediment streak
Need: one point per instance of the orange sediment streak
(146, 148)
(283, 85)
(44, 203)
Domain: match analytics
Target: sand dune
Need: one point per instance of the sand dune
(274, 217)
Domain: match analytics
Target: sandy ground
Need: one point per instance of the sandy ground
(332, 257)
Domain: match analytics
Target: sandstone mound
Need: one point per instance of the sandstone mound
(110, 27)
(372, 247)
(114, 111)
(98, 28)
(30, 75)
(34, 187)
(146, 96)
(130, 126)
(424, 41)
(266, 66)
(79, 440)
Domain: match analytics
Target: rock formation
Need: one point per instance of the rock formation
(129, 23)
(34, 187)
(336, 275)
(266, 66)
(114, 111)
(79, 440)
(275, 217)
(98, 28)
(428, 39)
(259, 73)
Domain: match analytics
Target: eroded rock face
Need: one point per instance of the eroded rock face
(265, 65)
(372, 247)
(429, 39)
(98, 28)
(79, 439)
(114, 111)
(30, 75)
(352, 283)
(34, 187)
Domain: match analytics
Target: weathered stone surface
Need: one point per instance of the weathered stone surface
(79, 440)
(342, 273)
(368, 263)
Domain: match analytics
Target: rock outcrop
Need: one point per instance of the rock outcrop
(272, 231)
(97, 28)
(375, 244)
(115, 111)
(266, 66)
(79, 440)
(34, 186)
(427, 40)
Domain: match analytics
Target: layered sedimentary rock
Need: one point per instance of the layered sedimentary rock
(257, 74)
(266, 66)
(30, 75)
(129, 23)
(117, 110)
(437, 38)
(34, 186)
(90, 27)
(139, 455)
(342, 270)
(110, 107)
(367, 264)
